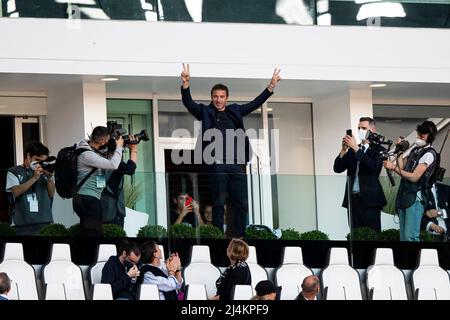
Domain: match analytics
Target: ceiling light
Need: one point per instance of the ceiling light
(109, 79)
(377, 85)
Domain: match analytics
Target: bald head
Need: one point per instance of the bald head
(310, 284)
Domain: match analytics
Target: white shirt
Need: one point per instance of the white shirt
(440, 219)
(355, 188)
(164, 284)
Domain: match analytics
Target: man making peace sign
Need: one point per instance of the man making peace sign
(224, 146)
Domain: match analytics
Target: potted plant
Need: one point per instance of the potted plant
(259, 232)
(314, 235)
(74, 230)
(182, 230)
(113, 231)
(389, 235)
(54, 230)
(362, 234)
(6, 229)
(290, 234)
(209, 232)
(152, 232)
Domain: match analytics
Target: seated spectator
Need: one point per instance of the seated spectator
(265, 290)
(166, 275)
(435, 219)
(5, 286)
(185, 212)
(310, 288)
(237, 273)
(121, 271)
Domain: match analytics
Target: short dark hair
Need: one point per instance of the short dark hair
(371, 121)
(148, 248)
(35, 148)
(128, 247)
(427, 127)
(98, 133)
(220, 86)
(5, 283)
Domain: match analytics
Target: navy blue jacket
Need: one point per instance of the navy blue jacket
(207, 114)
(370, 165)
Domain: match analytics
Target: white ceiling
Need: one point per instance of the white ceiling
(40, 84)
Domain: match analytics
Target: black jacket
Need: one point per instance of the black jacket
(370, 165)
(114, 273)
(235, 274)
(207, 114)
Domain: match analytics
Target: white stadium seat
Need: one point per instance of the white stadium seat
(339, 278)
(429, 280)
(242, 292)
(384, 280)
(104, 252)
(62, 271)
(196, 292)
(20, 272)
(201, 271)
(291, 273)
(148, 292)
(102, 291)
(258, 273)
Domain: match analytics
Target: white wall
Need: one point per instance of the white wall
(225, 50)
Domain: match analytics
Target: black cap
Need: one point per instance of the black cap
(265, 287)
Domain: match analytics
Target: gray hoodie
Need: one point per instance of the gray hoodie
(90, 159)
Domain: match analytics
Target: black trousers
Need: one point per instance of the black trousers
(89, 209)
(229, 179)
(361, 215)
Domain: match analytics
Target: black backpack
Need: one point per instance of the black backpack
(66, 172)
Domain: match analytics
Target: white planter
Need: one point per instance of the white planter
(134, 220)
(389, 221)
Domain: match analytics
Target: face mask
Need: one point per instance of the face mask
(362, 134)
(420, 142)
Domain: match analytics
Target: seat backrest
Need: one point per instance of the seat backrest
(290, 277)
(104, 252)
(55, 291)
(20, 272)
(292, 255)
(339, 277)
(102, 291)
(252, 257)
(257, 272)
(13, 294)
(196, 292)
(426, 294)
(430, 277)
(161, 247)
(335, 293)
(148, 292)
(202, 273)
(200, 254)
(242, 292)
(61, 270)
(385, 281)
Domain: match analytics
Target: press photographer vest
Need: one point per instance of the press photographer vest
(169, 295)
(407, 191)
(22, 216)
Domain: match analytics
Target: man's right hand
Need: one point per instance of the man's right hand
(133, 272)
(38, 172)
(185, 76)
(436, 228)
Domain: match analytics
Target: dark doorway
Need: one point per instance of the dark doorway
(6, 161)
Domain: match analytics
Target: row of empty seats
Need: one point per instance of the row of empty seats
(384, 281)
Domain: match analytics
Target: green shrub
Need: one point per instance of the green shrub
(152, 232)
(255, 233)
(182, 230)
(6, 229)
(113, 230)
(389, 235)
(290, 234)
(362, 234)
(74, 230)
(314, 235)
(425, 236)
(54, 230)
(210, 232)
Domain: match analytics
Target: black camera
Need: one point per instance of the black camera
(47, 164)
(115, 130)
(399, 148)
(376, 138)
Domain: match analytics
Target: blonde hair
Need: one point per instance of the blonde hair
(238, 250)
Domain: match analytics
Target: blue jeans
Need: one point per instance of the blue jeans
(410, 222)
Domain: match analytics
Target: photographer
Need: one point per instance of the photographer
(91, 166)
(113, 199)
(31, 188)
(415, 170)
(363, 164)
(435, 219)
